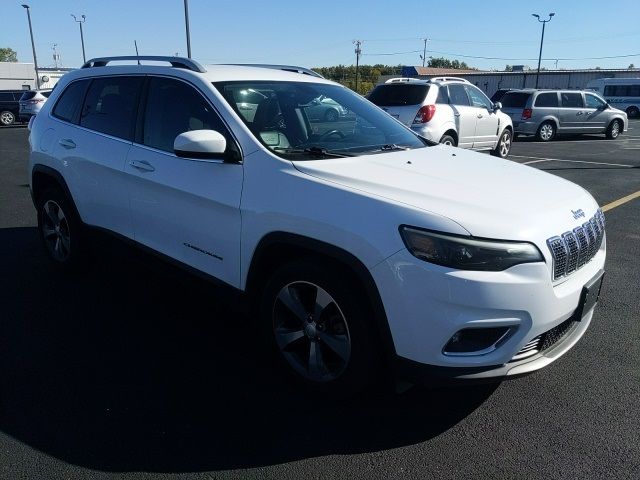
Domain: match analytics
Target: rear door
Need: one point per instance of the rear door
(400, 100)
(486, 134)
(186, 208)
(571, 114)
(465, 116)
(596, 114)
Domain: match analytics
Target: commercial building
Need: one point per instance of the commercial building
(22, 76)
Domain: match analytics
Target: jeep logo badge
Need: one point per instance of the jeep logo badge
(577, 213)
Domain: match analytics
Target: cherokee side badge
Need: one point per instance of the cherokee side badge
(579, 213)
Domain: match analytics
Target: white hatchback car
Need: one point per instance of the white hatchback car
(447, 110)
(360, 244)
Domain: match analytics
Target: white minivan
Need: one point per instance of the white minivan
(621, 93)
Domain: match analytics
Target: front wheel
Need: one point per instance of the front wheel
(331, 116)
(316, 327)
(504, 145)
(7, 118)
(614, 129)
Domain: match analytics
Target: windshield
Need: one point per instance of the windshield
(299, 120)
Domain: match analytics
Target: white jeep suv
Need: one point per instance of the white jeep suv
(447, 110)
(360, 244)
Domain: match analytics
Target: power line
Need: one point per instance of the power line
(449, 54)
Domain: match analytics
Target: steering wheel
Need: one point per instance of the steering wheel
(329, 133)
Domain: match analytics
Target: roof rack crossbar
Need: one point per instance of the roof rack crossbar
(176, 62)
(286, 68)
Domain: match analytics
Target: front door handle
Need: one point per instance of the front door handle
(142, 165)
(479, 115)
(579, 113)
(457, 114)
(67, 143)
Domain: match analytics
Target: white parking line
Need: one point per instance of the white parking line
(542, 159)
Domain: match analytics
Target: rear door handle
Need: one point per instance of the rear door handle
(67, 143)
(479, 115)
(142, 165)
(579, 113)
(456, 114)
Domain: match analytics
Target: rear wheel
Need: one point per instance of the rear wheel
(448, 140)
(504, 145)
(316, 328)
(614, 129)
(633, 112)
(546, 132)
(7, 117)
(331, 116)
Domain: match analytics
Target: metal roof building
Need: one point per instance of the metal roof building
(22, 76)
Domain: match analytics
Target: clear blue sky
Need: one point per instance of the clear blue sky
(320, 33)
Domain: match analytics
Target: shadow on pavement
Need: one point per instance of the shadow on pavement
(134, 366)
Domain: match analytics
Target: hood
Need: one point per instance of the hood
(488, 196)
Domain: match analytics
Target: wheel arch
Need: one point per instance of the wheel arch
(43, 177)
(452, 133)
(276, 248)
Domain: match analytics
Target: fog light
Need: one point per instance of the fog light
(476, 341)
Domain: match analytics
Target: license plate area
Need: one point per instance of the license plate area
(590, 295)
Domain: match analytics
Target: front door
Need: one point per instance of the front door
(186, 208)
(596, 114)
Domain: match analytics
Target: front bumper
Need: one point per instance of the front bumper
(427, 304)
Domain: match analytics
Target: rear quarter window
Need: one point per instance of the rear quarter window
(395, 95)
(68, 105)
(515, 99)
(547, 100)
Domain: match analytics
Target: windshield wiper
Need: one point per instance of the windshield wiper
(315, 151)
(389, 147)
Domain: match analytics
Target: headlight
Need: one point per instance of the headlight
(468, 253)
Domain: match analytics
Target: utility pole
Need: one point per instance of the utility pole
(424, 51)
(80, 22)
(544, 22)
(186, 26)
(33, 46)
(56, 55)
(358, 52)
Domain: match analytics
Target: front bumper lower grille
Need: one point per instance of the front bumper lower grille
(572, 250)
(546, 340)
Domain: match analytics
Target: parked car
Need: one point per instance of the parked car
(497, 96)
(325, 109)
(547, 113)
(31, 102)
(447, 110)
(9, 106)
(622, 93)
(362, 247)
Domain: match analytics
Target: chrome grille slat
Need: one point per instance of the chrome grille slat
(572, 250)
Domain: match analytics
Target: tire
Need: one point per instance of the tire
(316, 327)
(448, 140)
(7, 118)
(633, 112)
(546, 132)
(331, 116)
(61, 231)
(504, 144)
(614, 129)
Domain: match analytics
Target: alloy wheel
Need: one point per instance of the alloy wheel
(7, 118)
(311, 331)
(55, 230)
(546, 132)
(615, 129)
(505, 144)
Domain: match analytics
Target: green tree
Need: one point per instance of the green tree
(441, 62)
(8, 55)
(631, 66)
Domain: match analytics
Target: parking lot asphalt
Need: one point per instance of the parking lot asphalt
(135, 370)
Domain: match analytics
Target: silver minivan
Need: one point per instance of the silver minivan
(547, 113)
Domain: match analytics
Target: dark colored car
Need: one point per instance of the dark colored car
(9, 106)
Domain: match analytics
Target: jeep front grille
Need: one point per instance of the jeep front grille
(572, 250)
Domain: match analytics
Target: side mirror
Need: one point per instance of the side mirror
(204, 144)
(497, 106)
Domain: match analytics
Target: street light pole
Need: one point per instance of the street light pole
(33, 46)
(186, 25)
(358, 52)
(544, 22)
(80, 22)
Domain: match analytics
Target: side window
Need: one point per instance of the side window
(549, 99)
(443, 97)
(6, 97)
(592, 101)
(478, 99)
(571, 100)
(111, 104)
(174, 107)
(634, 90)
(68, 105)
(609, 90)
(458, 95)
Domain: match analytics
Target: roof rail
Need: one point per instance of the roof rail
(405, 80)
(449, 79)
(176, 62)
(286, 68)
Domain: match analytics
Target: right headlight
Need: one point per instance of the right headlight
(467, 253)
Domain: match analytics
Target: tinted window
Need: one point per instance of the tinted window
(515, 99)
(593, 102)
(28, 95)
(174, 107)
(46, 94)
(571, 100)
(443, 96)
(622, 90)
(110, 105)
(478, 99)
(547, 100)
(458, 95)
(6, 97)
(68, 105)
(397, 94)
